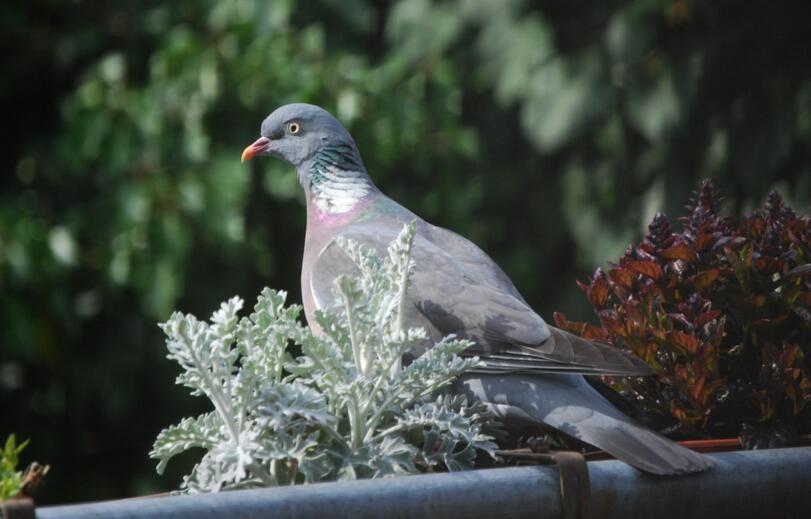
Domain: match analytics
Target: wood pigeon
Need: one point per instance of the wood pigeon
(532, 373)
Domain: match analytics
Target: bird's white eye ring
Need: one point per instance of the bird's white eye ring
(294, 128)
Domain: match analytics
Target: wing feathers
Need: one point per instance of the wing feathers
(563, 353)
(458, 289)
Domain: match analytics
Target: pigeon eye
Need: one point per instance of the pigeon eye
(294, 128)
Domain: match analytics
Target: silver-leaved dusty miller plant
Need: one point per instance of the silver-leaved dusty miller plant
(345, 408)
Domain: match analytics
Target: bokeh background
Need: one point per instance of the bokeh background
(548, 132)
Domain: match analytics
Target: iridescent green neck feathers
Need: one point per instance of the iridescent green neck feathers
(337, 180)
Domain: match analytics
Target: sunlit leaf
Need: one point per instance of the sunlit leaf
(679, 251)
(647, 268)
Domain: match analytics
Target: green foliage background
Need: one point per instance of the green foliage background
(548, 132)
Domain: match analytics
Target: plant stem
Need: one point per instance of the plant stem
(398, 323)
(376, 417)
(380, 379)
(356, 353)
(356, 427)
(225, 411)
(215, 393)
(372, 424)
(385, 432)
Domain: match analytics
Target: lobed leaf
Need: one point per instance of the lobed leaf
(344, 408)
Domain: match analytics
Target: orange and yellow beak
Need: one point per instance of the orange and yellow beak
(255, 148)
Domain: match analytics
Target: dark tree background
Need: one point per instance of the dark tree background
(548, 132)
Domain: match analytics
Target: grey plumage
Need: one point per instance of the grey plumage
(568, 403)
(458, 289)
(532, 371)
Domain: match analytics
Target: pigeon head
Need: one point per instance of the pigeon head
(297, 132)
(325, 156)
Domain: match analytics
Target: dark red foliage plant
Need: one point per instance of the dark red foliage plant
(722, 312)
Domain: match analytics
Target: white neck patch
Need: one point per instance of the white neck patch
(336, 190)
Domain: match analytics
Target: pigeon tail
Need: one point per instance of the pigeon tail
(632, 443)
(569, 404)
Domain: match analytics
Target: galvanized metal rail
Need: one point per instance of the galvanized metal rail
(756, 484)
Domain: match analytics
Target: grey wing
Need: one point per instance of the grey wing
(458, 289)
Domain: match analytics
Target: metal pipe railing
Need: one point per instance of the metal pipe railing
(756, 484)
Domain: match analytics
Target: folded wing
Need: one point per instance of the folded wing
(458, 289)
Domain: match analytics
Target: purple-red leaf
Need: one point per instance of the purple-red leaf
(704, 318)
(597, 293)
(622, 276)
(679, 251)
(615, 326)
(704, 240)
(683, 341)
(570, 326)
(768, 264)
(704, 279)
(647, 268)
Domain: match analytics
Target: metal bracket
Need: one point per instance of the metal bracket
(17, 509)
(574, 484)
(575, 488)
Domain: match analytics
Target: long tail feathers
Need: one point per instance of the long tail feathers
(632, 443)
(569, 404)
